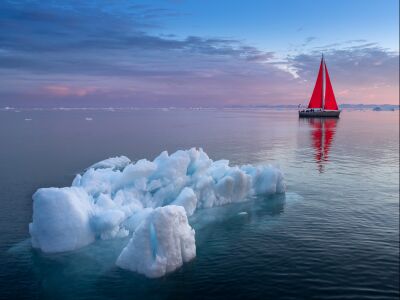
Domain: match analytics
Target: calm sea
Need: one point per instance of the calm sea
(334, 235)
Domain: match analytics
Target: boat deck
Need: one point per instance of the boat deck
(319, 114)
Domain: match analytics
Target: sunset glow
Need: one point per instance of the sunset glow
(195, 53)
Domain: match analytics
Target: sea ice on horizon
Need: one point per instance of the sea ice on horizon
(147, 200)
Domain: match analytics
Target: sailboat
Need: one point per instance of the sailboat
(322, 102)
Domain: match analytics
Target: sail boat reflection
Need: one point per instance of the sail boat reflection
(322, 134)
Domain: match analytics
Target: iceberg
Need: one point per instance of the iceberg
(150, 202)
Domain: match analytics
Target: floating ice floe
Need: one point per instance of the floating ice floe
(147, 200)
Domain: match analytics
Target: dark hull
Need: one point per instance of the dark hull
(320, 114)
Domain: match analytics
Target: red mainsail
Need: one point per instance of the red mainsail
(323, 98)
(316, 98)
(330, 101)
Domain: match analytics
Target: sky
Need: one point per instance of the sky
(195, 53)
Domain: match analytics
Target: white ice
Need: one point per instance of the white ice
(161, 244)
(147, 200)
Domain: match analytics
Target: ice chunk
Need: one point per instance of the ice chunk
(266, 180)
(106, 220)
(137, 218)
(118, 162)
(97, 181)
(61, 219)
(133, 173)
(187, 198)
(161, 244)
(149, 200)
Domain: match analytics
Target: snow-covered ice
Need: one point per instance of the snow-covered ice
(147, 200)
(161, 244)
(61, 219)
(119, 162)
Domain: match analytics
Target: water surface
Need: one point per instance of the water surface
(334, 235)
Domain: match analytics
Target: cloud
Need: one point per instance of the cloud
(357, 71)
(361, 64)
(88, 26)
(309, 40)
(62, 39)
(62, 90)
(110, 53)
(56, 52)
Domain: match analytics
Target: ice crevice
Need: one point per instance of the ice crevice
(149, 201)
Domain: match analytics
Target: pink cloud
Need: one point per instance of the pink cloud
(63, 90)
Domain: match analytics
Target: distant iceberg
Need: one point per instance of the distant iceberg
(150, 201)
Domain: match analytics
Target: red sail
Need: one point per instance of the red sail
(330, 101)
(316, 98)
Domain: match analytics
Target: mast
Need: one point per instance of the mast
(317, 97)
(323, 82)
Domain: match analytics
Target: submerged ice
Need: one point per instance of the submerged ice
(147, 200)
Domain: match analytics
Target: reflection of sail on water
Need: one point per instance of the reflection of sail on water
(323, 131)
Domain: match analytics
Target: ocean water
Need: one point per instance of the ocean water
(333, 235)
